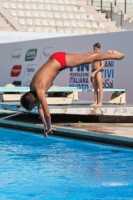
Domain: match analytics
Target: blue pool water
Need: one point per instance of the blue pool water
(38, 168)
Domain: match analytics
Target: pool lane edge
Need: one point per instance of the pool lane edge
(81, 134)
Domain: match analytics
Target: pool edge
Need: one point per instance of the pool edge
(71, 133)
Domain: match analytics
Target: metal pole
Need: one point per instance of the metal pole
(121, 19)
(91, 2)
(115, 2)
(125, 7)
(101, 5)
(10, 116)
(111, 9)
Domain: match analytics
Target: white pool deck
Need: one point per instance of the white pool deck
(81, 107)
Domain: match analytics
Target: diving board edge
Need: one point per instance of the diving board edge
(59, 89)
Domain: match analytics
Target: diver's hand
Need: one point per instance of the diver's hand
(50, 131)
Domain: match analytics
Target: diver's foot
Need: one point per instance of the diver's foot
(117, 55)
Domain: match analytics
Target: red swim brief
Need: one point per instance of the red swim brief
(61, 58)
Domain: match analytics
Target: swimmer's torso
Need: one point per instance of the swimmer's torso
(44, 77)
(96, 65)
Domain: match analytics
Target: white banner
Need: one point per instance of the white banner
(15, 36)
(20, 60)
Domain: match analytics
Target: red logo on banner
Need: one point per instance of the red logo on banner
(16, 70)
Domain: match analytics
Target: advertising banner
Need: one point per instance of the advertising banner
(16, 36)
(20, 60)
(79, 77)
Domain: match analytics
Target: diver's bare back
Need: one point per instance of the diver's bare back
(44, 77)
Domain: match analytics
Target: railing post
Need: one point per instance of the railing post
(111, 10)
(121, 19)
(125, 5)
(101, 5)
(91, 2)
